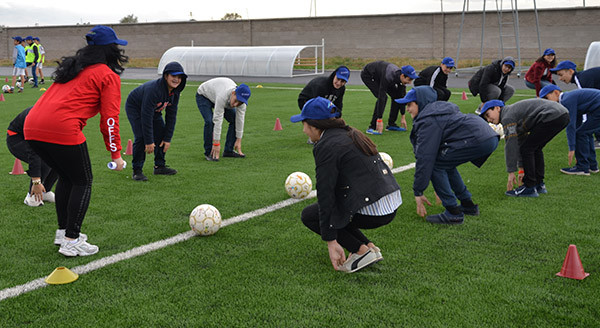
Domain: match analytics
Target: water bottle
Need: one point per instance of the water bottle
(113, 165)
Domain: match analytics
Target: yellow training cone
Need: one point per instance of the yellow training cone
(61, 275)
(259, 86)
(43, 89)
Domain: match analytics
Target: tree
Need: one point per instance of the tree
(231, 16)
(129, 19)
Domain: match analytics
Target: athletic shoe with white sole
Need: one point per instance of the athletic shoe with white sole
(356, 262)
(48, 197)
(31, 201)
(377, 252)
(575, 171)
(523, 191)
(77, 247)
(374, 132)
(59, 236)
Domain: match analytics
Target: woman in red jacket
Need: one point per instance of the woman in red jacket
(84, 85)
(539, 75)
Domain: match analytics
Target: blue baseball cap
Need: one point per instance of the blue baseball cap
(242, 93)
(410, 97)
(29, 38)
(510, 63)
(565, 64)
(36, 38)
(409, 71)
(343, 73)
(448, 61)
(316, 109)
(549, 51)
(18, 38)
(102, 35)
(547, 89)
(488, 105)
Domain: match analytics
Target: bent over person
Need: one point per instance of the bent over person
(84, 85)
(152, 134)
(355, 188)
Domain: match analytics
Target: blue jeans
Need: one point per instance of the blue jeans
(532, 86)
(445, 178)
(206, 109)
(585, 152)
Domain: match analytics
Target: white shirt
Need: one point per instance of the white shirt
(218, 91)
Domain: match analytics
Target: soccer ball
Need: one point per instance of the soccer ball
(205, 220)
(6, 88)
(30, 80)
(18, 84)
(298, 185)
(498, 129)
(387, 159)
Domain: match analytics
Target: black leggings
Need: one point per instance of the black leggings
(350, 237)
(21, 150)
(74, 187)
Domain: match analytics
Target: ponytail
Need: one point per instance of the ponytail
(360, 140)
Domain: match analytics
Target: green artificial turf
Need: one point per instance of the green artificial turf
(497, 269)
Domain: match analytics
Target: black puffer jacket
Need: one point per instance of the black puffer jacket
(323, 87)
(490, 74)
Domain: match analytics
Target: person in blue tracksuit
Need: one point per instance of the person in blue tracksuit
(579, 102)
(144, 107)
(443, 138)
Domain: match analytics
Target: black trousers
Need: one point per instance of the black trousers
(531, 149)
(20, 149)
(74, 187)
(350, 237)
(373, 85)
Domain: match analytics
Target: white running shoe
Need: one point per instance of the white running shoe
(59, 236)
(48, 197)
(77, 247)
(377, 252)
(356, 262)
(30, 201)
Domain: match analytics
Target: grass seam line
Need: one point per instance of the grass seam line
(141, 250)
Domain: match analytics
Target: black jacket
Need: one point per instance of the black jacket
(590, 78)
(347, 180)
(440, 79)
(322, 87)
(387, 77)
(490, 74)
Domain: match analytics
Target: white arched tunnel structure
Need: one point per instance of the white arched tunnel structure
(244, 61)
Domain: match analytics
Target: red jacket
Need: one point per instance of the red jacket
(540, 70)
(63, 110)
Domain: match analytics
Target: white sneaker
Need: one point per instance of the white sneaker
(77, 247)
(356, 262)
(30, 201)
(59, 236)
(48, 197)
(377, 252)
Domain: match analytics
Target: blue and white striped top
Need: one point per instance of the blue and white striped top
(386, 205)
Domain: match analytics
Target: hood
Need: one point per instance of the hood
(173, 67)
(426, 95)
(508, 58)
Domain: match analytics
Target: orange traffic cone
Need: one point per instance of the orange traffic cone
(464, 96)
(6, 79)
(2, 97)
(277, 125)
(129, 149)
(17, 168)
(572, 267)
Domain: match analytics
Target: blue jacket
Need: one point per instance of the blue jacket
(148, 101)
(440, 127)
(590, 78)
(579, 102)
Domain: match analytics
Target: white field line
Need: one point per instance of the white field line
(141, 250)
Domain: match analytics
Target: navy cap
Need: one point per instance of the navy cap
(409, 71)
(410, 97)
(177, 73)
(488, 105)
(565, 64)
(448, 61)
(343, 73)
(36, 38)
(242, 92)
(549, 51)
(29, 38)
(18, 38)
(548, 89)
(102, 35)
(316, 109)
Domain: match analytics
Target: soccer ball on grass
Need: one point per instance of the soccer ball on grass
(298, 185)
(205, 220)
(387, 159)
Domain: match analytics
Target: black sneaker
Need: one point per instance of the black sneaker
(470, 210)
(446, 218)
(210, 159)
(233, 154)
(164, 170)
(139, 176)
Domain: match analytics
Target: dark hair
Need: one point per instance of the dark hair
(542, 60)
(109, 54)
(360, 140)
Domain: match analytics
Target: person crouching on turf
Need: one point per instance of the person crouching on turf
(355, 188)
(443, 138)
(528, 126)
(580, 132)
(144, 107)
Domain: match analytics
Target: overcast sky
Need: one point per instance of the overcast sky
(70, 12)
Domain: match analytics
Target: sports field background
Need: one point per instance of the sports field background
(497, 269)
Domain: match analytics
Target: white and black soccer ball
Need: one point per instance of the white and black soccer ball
(298, 185)
(387, 159)
(30, 80)
(205, 220)
(6, 88)
(18, 84)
